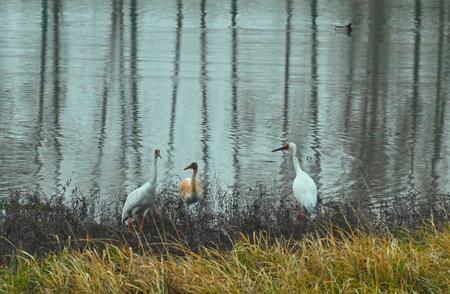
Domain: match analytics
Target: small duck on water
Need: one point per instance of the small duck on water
(347, 28)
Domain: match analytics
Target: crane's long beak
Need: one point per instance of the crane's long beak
(278, 149)
(187, 167)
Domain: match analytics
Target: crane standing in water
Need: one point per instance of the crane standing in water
(304, 188)
(139, 201)
(191, 188)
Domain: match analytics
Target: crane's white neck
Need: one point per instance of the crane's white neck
(295, 161)
(155, 173)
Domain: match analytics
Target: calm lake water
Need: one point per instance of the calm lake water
(89, 88)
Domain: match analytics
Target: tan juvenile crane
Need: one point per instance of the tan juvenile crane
(191, 189)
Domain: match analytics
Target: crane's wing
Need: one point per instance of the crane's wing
(199, 187)
(305, 191)
(138, 197)
(185, 188)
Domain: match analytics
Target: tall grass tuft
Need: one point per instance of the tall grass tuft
(335, 262)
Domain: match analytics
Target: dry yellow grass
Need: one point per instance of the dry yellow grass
(347, 263)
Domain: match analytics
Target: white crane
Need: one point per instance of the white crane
(191, 188)
(304, 188)
(140, 200)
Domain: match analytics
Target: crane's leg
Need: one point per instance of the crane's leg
(141, 225)
(130, 228)
(188, 219)
(298, 213)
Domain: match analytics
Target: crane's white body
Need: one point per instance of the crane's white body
(305, 191)
(304, 188)
(140, 200)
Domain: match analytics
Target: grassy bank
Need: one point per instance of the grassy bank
(335, 262)
(234, 240)
(39, 223)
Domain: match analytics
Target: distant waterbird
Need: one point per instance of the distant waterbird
(140, 200)
(191, 189)
(303, 186)
(345, 29)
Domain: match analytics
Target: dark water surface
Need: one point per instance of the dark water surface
(89, 88)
